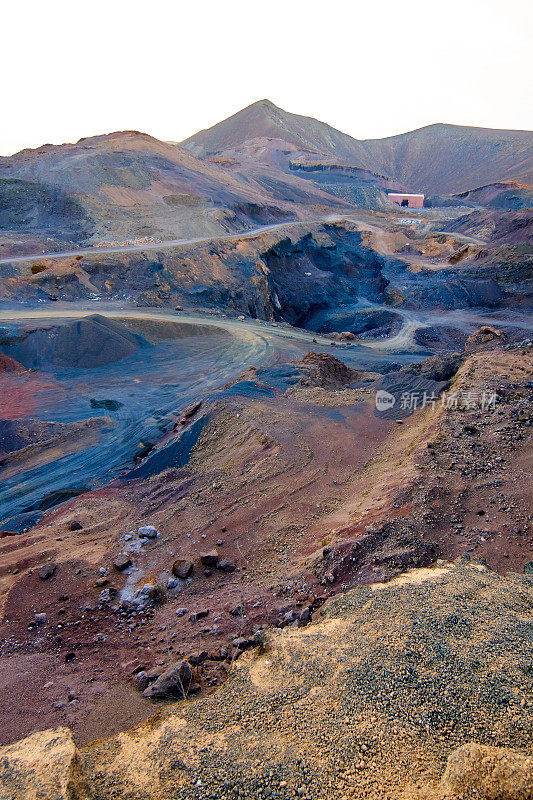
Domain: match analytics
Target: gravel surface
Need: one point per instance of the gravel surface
(367, 702)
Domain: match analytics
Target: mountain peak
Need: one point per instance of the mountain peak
(265, 103)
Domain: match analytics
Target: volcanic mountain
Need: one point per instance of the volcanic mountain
(436, 159)
(261, 166)
(128, 185)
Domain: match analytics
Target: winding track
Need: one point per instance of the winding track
(152, 387)
(132, 248)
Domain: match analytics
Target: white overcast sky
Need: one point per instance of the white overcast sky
(371, 69)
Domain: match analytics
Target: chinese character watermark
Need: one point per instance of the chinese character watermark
(470, 400)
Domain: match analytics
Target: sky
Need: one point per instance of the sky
(371, 69)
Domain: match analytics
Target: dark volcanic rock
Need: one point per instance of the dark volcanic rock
(176, 681)
(226, 565)
(122, 562)
(47, 570)
(195, 616)
(210, 559)
(182, 568)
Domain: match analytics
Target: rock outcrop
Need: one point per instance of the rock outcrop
(492, 773)
(44, 766)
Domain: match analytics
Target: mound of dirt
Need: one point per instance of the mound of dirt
(371, 701)
(486, 338)
(8, 364)
(321, 369)
(425, 379)
(93, 341)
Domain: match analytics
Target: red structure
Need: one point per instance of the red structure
(407, 200)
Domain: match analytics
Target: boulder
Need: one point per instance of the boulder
(147, 531)
(226, 565)
(44, 765)
(76, 526)
(210, 559)
(243, 642)
(175, 681)
(182, 568)
(47, 570)
(484, 339)
(122, 562)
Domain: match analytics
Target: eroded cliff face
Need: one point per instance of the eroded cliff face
(285, 274)
(322, 271)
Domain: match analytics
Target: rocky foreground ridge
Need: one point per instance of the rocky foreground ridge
(417, 689)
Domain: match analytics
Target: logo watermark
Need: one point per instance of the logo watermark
(384, 400)
(471, 400)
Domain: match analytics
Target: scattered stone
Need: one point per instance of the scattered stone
(106, 596)
(180, 612)
(528, 568)
(289, 616)
(47, 570)
(175, 681)
(182, 568)
(210, 559)
(40, 619)
(147, 532)
(226, 565)
(195, 616)
(219, 655)
(238, 611)
(198, 658)
(76, 526)
(122, 562)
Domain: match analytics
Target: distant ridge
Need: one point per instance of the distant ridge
(436, 159)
